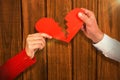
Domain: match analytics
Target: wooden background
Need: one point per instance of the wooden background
(78, 60)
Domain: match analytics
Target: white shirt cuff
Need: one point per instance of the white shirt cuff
(110, 47)
(105, 45)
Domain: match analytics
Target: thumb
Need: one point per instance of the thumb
(83, 17)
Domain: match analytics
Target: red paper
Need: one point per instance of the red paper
(50, 27)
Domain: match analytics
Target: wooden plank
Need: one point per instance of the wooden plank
(60, 61)
(10, 29)
(108, 12)
(59, 53)
(32, 10)
(84, 54)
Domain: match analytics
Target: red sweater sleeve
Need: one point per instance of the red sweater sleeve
(14, 66)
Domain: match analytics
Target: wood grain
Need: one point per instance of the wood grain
(10, 29)
(108, 22)
(59, 54)
(84, 55)
(32, 10)
(77, 60)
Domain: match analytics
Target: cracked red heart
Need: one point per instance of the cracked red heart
(51, 27)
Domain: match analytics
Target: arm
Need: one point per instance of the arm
(110, 47)
(14, 66)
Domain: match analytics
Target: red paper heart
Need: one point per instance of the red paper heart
(50, 27)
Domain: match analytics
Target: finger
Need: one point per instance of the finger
(38, 46)
(38, 41)
(88, 12)
(35, 38)
(30, 38)
(35, 35)
(83, 17)
(40, 35)
(46, 35)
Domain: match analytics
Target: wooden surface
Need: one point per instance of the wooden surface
(78, 60)
(108, 20)
(84, 56)
(10, 29)
(59, 54)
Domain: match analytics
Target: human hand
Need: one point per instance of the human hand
(34, 42)
(91, 29)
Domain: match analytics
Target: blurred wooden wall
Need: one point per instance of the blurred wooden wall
(78, 60)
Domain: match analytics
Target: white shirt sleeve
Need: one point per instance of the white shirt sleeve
(110, 47)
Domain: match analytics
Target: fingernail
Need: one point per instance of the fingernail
(50, 37)
(80, 14)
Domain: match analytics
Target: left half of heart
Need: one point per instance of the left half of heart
(50, 27)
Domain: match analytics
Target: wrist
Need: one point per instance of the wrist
(28, 53)
(98, 37)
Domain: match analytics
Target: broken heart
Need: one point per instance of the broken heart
(50, 27)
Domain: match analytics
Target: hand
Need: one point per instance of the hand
(91, 29)
(34, 42)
